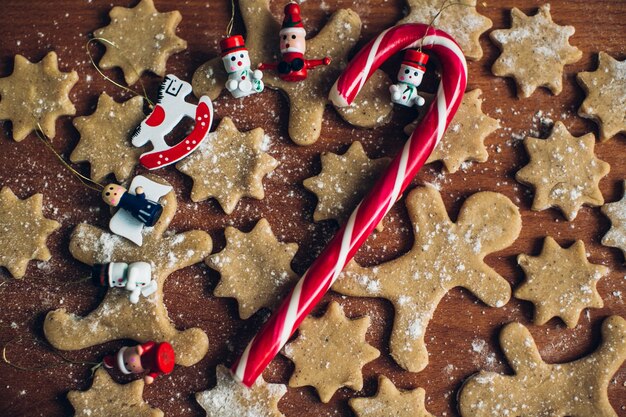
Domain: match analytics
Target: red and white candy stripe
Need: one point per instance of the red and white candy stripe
(327, 267)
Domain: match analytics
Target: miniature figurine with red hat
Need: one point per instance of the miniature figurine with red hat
(293, 66)
(409, 78)
(242, 81)
(155, 358)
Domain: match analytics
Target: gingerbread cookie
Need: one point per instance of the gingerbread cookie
(459, 19)
(307, 98)
(35, 95)
(231, 399)
(391, 402)
(105, 398)
(105, 138)
(564, 171)
(560, 282)
(23, 231)
(330, 352)
(142, 40)
(444, 255)
(534, 51)
(577, 388)
(344, 181)
(116, 317)
(255, 268)
(606, 95)
(229, 165)
(616, 212)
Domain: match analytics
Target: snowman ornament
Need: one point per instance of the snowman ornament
(242, 81)
(410, 75)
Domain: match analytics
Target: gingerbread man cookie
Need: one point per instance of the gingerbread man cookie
(616, 212)
(391, 402)
(117, 318)
(577, 388)
(444, 255)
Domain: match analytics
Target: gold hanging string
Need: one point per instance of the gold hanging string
(231, 22)
(64, 360)
(123, 87)
(445, 5)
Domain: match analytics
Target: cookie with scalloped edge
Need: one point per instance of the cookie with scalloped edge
(534, 51)
(35, 95)
(389, 401)
(616, 212)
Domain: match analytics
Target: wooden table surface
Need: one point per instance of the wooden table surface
(36, 27)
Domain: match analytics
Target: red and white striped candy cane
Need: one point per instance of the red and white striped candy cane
(327, 267)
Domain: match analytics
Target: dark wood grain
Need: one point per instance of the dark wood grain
(36, 27)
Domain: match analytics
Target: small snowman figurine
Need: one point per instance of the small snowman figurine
(144, 210)
(409, 78)
(135, 277)
(242, 81)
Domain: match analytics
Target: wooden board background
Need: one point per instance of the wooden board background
(36, 27)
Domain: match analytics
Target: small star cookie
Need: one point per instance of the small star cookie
(229, 165)
(564, 171)
(255, 268)
(344, 181)
(616, 212)
(35, 95)
(560, 282)
(606, 96)
(23, 231)
(459, 19)
(231, 399)
(143, 40)
(534, 51)
(105, 138)
(105, 398)
(391, 402)
(330, 352)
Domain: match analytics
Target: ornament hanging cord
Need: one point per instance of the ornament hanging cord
(231, 22)
(445, 5)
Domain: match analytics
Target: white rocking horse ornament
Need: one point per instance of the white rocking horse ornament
(170, 109)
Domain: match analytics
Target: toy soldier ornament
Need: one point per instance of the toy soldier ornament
(242, 81)
(146, 211)
(135, 277)
(154, 358)
(293, 65)
(409, 78)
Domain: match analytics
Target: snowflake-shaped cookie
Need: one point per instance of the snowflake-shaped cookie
(391, 402)
(564, 171)
(35, 95)
(231, 399)
(255, 268)
(616, 212)
(229, 165)
(330, 352)
(460, 19)
(606, 95)
(560, 282)
(143, 40)
(534, 51)
(23, 231)
(105, 138)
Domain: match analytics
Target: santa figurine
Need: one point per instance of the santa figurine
(242, 81)
(293, 66)
(154, 358)
(409, 78)
(135, 277)
(144, 210)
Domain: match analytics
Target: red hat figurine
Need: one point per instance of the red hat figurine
(156, 358)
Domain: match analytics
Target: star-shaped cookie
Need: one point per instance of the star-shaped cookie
(229, 165)
(344, 181)
(307, 98)
(534, 51)
(330, 352)
(231, 399)
(36, 93)
(255, 268)
(23, 231)
(564, 171)
(616, 212)
(105, 398)
(560, 282)
(143, 40)
(459, 19)
(606, 95)
(105, 138)
(391, 402)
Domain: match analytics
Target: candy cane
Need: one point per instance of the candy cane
(327, 267)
